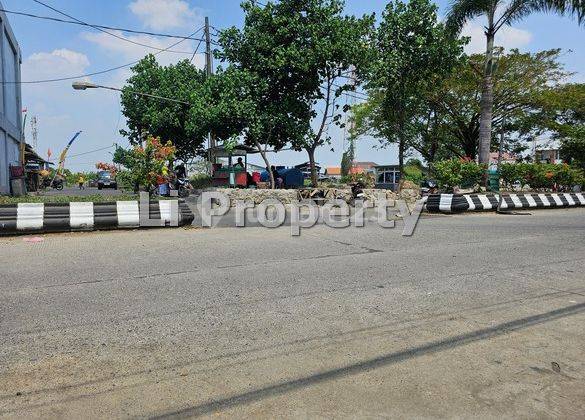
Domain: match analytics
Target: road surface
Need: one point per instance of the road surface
(475, 316)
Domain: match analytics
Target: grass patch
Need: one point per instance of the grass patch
(96, 198)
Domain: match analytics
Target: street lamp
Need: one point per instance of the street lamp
(81, 85)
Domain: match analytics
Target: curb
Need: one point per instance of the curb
(87, 216)
(457, 203)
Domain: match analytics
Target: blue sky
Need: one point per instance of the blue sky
(57, 50)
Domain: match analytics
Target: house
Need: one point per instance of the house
(333, 172)
(305, 168)
(387, 177)
(363, 167)
(11, 138)
(506, 158)
(548, 156)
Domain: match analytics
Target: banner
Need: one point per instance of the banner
(64, 153)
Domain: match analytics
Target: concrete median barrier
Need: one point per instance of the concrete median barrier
(63, 217)
(457, 203)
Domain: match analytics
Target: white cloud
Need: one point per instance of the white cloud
(165, 14)
(507, 37)
(58, 63)
(131, 52)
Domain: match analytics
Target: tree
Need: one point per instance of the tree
(263, 81)
(413, 51)
(302, 52)
(334, 60)
(519, 82)
(562, 114)
(145, 166)
(185, 124)
(463, 11)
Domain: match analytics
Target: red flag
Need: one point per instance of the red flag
(49, 153)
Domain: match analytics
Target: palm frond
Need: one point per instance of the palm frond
(462, 11)
(519, 9)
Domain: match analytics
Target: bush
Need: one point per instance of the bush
(458, 172)
(413, 173)
(200, 181)
(541, 176)
(366, 179)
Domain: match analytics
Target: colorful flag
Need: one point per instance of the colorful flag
(64, 152)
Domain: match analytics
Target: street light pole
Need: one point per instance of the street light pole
(89, 85)
(209, 73)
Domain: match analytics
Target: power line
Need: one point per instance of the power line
(113, 28)
(107, 32)
(81, 76)
(195, 52)
(90, 152)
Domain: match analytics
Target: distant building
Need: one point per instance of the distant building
(506, 158)
(333, 172)
(387, 177)
(11, 138)
(548, 156)
(305, 168)
(363, 167)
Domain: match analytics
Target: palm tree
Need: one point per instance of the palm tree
(463, 11)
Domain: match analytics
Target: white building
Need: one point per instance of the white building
(10, 104)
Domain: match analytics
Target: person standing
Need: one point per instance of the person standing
(81, 182)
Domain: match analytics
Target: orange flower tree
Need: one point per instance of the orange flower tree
(146, 166)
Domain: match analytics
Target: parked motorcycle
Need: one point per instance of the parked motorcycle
(56, 183)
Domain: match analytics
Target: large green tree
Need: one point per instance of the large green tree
(300, 53)
(562, 114)
(519, 82)
(412, 51)
(264, 77)
(184, 121)
(499, 13)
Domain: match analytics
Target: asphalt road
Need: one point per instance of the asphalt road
(474, 316)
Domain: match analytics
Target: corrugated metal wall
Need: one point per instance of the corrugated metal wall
(10, 102)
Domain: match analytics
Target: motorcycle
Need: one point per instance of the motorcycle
(357, 192)
(56, 183)
(183, 186)
(429, 187)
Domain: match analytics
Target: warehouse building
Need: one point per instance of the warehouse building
(10, 105)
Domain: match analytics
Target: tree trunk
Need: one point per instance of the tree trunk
(487, 99)
(314, 177)
(268, 168)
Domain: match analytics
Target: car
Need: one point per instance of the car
(106, 180)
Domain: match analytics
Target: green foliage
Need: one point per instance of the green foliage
(413, 173)
(346, 162)
(293, 53)
(363, 178)
(562, 113)
(540, 176)
(413, 51)
(145, 166)
(187, 125)
(456, 172)
(96, 198)
(200, 181)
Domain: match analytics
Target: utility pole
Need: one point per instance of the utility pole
(35, 133)
(209, 72)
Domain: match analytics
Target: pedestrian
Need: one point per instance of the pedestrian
(81, 182)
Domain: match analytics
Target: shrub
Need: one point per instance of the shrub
(413, 173)
(365, 179)
(458, 172)
(200, 181)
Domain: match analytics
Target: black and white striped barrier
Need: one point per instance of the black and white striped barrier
(456, 203)
(63, 217)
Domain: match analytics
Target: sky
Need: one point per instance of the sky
(53, 50)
